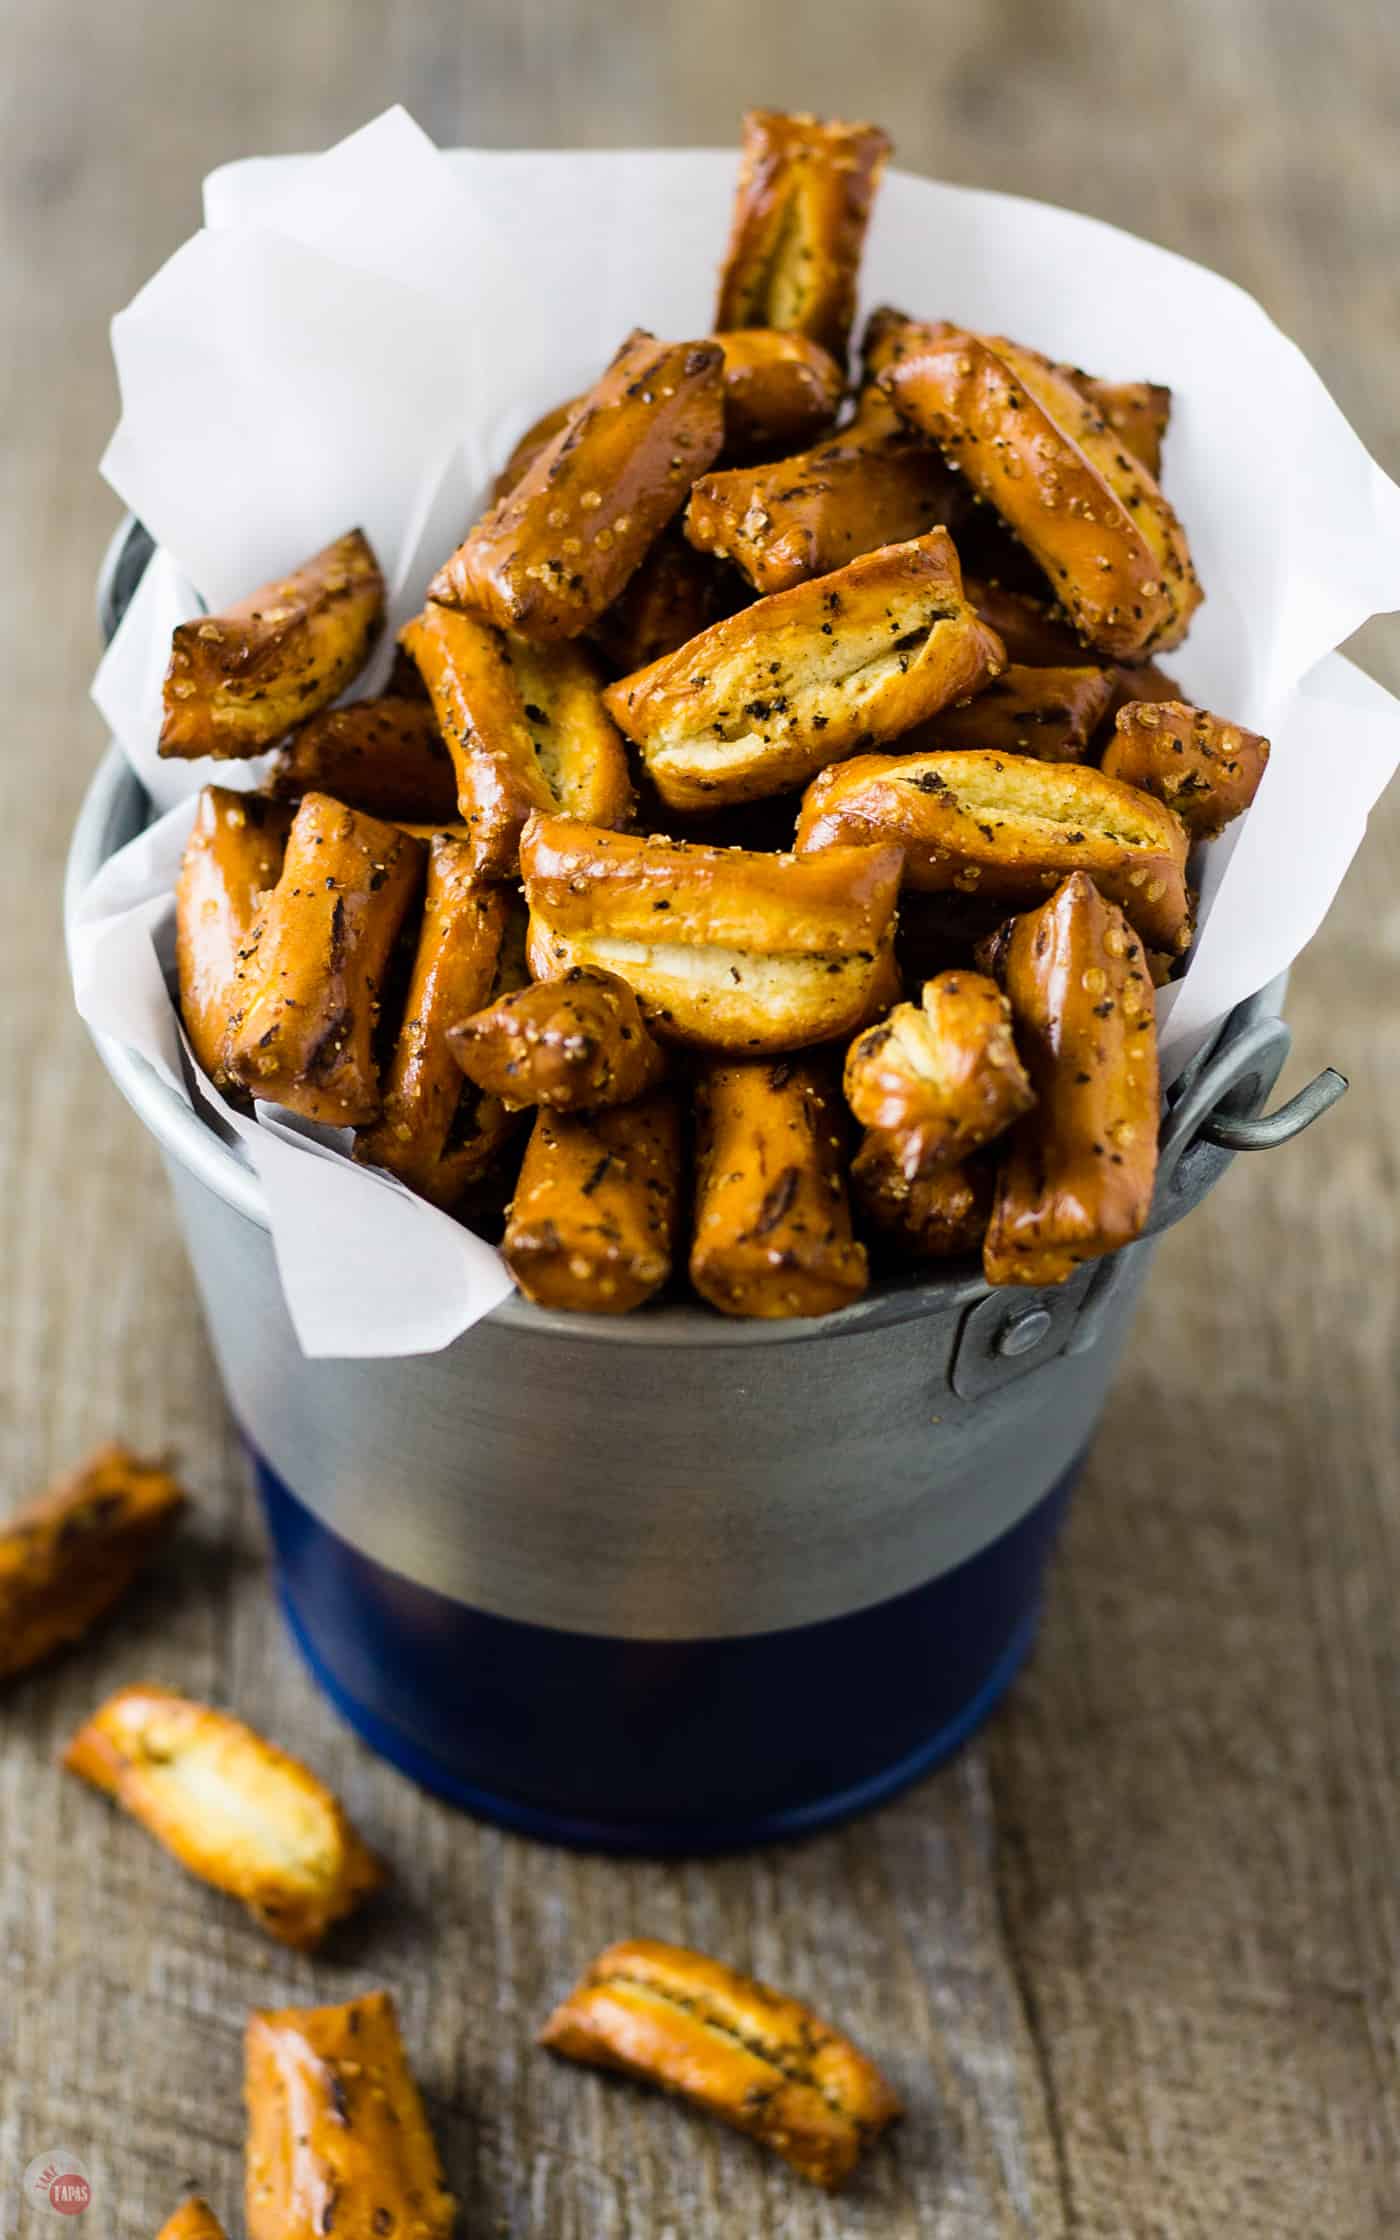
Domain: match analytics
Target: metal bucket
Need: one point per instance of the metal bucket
(671, 1582)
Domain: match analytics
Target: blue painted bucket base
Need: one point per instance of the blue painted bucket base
(659, 1747)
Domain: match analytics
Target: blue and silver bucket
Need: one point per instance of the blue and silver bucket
(672, 1583)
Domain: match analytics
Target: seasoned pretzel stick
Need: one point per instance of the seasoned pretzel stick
(437, 1132)
(232, 861)
(759, 702)
(800, 214)
(938, 1216)
(593, 1220)
(193, 2220)
(725, 949)
(943, 1075)
(732, 2046)
(781, 391)
(1031, 443)
(772, 1233)
(558, 548)
(1206, 769)
(1138, 412)
(526, 728)
(1053, 715)
(1007, 826)
(67, 1557)
(232, 1808)
(1035, 633)
(575, 1044)
(387, 757)
(338, 2140)
(238, 680)
(675, 594)
(311, 975)
(1078, 1179)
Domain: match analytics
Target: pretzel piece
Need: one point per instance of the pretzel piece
(675, 594)
(558, 548)
(574, 1044)
(592, 1224)
(942, 1074)
(1035, 633)
(385, 756)
(193, 2220)
(1009, 827)
(1078, 1179)
(232, 861)
(311, 974)
(938, 1216)
(772, 1235)
(1053, 715)
(526, 728)
(438, 1132)
(236, 1811)
(722, 948)
(1032, 444)
(1206, 769)
(338, 2138)
(238, 680)
(1138, 412)
(69, 1556)
(800, 213)
(760, 701)
(734, 2047)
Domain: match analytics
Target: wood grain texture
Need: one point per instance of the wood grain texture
(1133, 1958)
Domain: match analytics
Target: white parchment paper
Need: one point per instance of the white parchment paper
(358, 337)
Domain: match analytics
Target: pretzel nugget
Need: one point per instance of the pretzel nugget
(310, 977)
(1032, 444)
(871, 484)
(1138, 412)
(1050, 714)
(67, 1557)
(1204, 768)
(780, 391)
(736, 2048)
(772, 1233)
(943, 1075)
(800, 213)
(232, 1808)
(725, 949)
(232, 861)
(526, 728)
(559, 547)
(593, 1220)
(1006, 826)
(438, 1132)
(1141, 680)
(759, 702)
(1079, 1177)
(238, 680)
(193, 2220)
(575, 1044)
(675, 594)
(386, 757)
(338, 2140)
(1035, 633)
(938, 1216)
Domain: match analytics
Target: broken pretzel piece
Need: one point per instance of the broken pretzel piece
(338, 2139)
(386, 756)
(734, 2047)
(722, 948)
(1078, 1179)
(232, 1808)
(760, 701)
(1009, 827)
(800, 213)
(438, 1132)
(67, 1557)
(310, 977)
(575, 1044)
(1206, 769)
(1032, 444)
(772, 1231)
(526, 728)
(232, 861)
(1051, 714)
(238, 680)
(780, 392)
(193, 2220)
(559, 546)
(938, 1216)
(943, 1075)
(593, 1219)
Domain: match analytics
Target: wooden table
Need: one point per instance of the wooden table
(1133, 1957)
